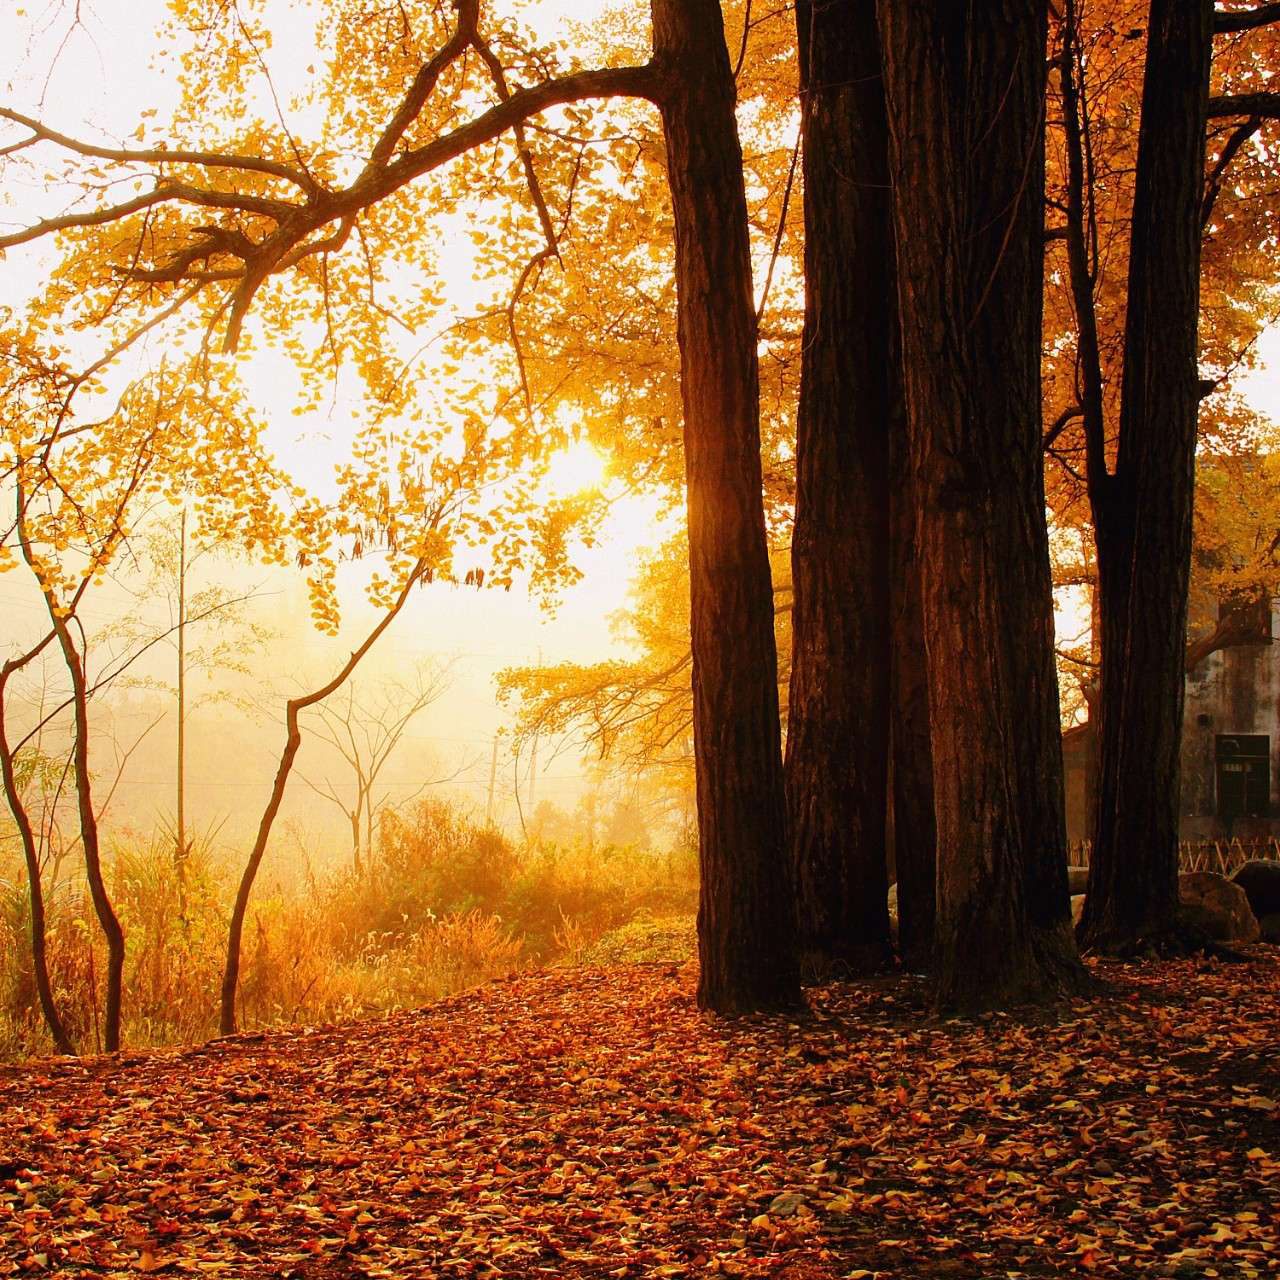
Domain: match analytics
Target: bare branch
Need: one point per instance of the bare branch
(782, 226)
(1069, 414)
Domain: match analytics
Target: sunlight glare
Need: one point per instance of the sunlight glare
(577, 468)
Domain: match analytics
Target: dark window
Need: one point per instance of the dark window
(1255, 605)
(1244, 775)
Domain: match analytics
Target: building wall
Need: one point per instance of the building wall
(1076, 746)
(1233, 691)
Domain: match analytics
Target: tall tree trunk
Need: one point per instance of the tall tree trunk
(965, 87)
(746, 915)
(1143, 518)
(838, 717)
(914, 832)
(180, 853)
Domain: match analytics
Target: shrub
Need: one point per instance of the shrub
(445, 903)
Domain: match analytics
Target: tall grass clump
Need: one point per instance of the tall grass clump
(444, 903)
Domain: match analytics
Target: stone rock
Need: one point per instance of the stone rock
(1261, 884)
(1213, 903)
(784, 1205)
(1077, 908)
(1077, 880)
(1269, 927)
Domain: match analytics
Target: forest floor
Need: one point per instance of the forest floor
(591, 1122)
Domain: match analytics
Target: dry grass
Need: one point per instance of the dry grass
(446, 905)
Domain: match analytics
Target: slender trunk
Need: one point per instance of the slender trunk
(838, 709)
(1144, 521)
(102, 907)
(235, 930)
(31, 856)
(357, 865)
(293, 740)
(965, 87)
(746, 915)
(101, 899)
(493, 778)
(914, 832)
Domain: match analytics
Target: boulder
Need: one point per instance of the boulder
(1077, 909)
(1217, 906)
(1077, 880)
(1261, 884)
(1269, 927)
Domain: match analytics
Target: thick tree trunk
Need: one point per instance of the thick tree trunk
(1144, 520)
(914, 832)
(746, 914)
(965, 86)
(838, 716)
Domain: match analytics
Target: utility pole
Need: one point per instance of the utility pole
(181, 853)
(493, 777)
(533, 762)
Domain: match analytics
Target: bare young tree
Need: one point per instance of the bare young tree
(365, 727)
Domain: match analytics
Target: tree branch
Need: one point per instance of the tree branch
(1213, 185)
(155, 155)
(1264, 105)
(381, 177)
(1228, 21)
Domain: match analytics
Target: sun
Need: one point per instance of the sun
(577, 468)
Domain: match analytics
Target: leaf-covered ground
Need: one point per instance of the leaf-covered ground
(593, 1123)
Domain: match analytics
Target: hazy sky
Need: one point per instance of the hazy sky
(100, 75)
(100, 82)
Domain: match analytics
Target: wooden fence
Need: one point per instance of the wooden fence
(1222, 856)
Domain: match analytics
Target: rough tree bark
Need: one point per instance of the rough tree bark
(1142, 511)
(746, 915)
(914, 832)
(965, 88)
(838, 708)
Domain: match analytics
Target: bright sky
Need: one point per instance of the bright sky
(100, 76)
(105, 72)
